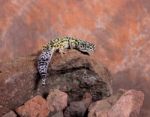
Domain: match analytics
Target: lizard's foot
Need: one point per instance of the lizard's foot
(62, 52)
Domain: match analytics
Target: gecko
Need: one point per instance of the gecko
(60, 45)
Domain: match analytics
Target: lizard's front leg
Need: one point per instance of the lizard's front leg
(62, 51)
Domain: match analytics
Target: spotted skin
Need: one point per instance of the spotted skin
(60, 44)
(43, 62)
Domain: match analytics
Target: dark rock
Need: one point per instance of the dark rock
(78, 108)
(75, 109)
(75, 74)
(123, 104)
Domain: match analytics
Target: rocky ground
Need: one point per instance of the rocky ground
(78, 86)
(119, 28)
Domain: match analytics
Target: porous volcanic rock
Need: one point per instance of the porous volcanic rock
(74, 73)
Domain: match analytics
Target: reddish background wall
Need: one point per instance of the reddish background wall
(119, 28)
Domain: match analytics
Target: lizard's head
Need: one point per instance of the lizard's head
(85, 46)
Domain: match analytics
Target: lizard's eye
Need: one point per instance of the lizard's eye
(81, 46)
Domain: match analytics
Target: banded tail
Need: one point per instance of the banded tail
(43, 63)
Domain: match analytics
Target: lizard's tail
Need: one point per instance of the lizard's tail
(43, 63)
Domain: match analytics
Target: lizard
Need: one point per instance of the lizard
(60, 45)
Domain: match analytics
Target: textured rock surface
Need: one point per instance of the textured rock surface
(75, 109)
(34, 107)
(57, 100)
(123, 104)
(3, 110)
(78, 108)
(120, 29)
(75, 74)
(10, 114)
(58, 114)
